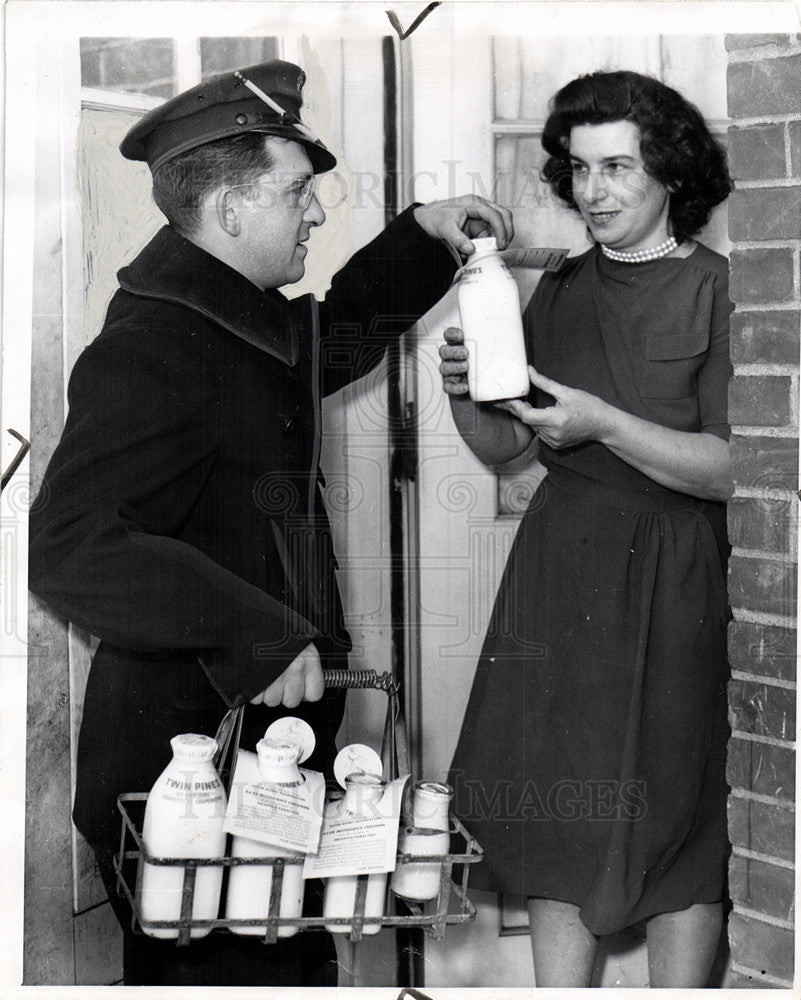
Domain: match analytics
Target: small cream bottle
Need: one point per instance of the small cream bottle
(489, 311)
(427, 837)
(361, 792)
(250, 886)
(184, 818)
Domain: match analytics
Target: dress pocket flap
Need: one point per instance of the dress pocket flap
(675, 346)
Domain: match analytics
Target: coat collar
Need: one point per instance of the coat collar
(174, 269)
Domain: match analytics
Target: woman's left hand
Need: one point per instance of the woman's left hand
(576, 415)
(694, 462)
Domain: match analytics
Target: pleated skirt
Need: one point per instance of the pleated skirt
(591, 762)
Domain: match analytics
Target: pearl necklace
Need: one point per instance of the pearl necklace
(641, 256)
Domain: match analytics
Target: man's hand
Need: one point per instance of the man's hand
(301, 681)
(457, 219)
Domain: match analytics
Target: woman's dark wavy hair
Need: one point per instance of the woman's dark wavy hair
(676, 146)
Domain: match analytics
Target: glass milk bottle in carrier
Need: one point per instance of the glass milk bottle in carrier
(428, 836)
(250, 886)
(361, 790)
(184, 818)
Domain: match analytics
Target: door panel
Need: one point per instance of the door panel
(118, 218)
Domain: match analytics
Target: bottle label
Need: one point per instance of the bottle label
(537, 258)
(359, 844)
(285, 816)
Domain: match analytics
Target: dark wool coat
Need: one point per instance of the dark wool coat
(180, 519)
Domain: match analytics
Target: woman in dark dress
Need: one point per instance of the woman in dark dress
(591, 762)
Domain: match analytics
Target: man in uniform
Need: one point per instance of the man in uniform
(180, 519)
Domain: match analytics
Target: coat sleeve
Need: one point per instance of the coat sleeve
(140, 437)
(382, 291)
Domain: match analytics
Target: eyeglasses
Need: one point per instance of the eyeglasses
(298, 192)
(302, 191)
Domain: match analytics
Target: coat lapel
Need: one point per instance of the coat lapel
(174, 269)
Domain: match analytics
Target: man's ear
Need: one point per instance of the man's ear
(225, 207)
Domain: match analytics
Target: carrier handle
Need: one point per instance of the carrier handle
(394, 749)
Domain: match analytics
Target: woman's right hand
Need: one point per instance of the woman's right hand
(493, 437)
(453, 366)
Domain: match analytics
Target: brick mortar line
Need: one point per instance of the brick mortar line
(797, 273)
(771, 741)
(763, 618)
(772, 50)
(785, 558)
(764, 918)
(765, 184)
(774, 801)
(747, 911)
(788, 243)
(788, 431)
(777, 682)
(764, 493)
(758, 977)
(753, 368)
(746, 121)
(766, 800)
(777, 305)
(743, 307)
(768, 859)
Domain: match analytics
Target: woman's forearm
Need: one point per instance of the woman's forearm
(493, 435)
(694, 463)
(691, 462)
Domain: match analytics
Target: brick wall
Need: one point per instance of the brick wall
(764, 90)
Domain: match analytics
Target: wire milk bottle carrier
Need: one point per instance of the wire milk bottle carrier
(432, 842)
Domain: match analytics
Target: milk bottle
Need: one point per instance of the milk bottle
(250, 886)
(183, 819)
(489, 311)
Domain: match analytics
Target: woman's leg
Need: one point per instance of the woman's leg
(564, 950)
(682, 946)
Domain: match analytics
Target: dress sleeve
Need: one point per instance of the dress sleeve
(382, 291)
(714, 376)
(139, 437)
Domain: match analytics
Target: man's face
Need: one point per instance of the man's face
(277, 217)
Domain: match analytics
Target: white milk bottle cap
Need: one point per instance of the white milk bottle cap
(357, 758)
(193, 746)
(277, 752)
(294, 730)
(436, 791)
(361, 790)
(484, 244)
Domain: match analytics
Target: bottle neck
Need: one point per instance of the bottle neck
(286, 774)
(480, 255)
(362, 793)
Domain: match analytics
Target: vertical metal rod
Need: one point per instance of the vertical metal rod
(397, 166)
(391, 163)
